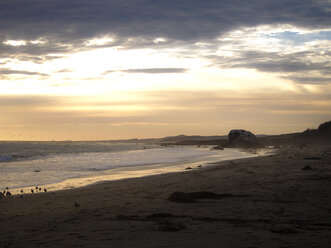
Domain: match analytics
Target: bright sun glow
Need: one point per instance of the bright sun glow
(15, 42)
(195, 86)
(99, 41)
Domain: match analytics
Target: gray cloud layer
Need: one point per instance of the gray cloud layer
(9, 71)
(67, 23)
(296, 66)
(310, 80)
(4, 72)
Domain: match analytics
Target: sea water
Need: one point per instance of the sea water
(61, 165)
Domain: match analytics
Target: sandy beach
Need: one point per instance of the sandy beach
(281, 200)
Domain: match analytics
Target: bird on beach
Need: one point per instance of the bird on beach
(32, 191)
(21, 191)
(36, 187)
(39, 189)
(45, 190)
(8, 193)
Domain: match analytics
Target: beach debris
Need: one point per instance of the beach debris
(302, 146)
(284, 231)
(166, 226)
(217, 148)
(160, 216)
(307, 167)
(163, 221)
(126, 217)
(312, 158)
(193, 196)
(76, 204)
(188, 168)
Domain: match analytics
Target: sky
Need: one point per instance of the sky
(120, 69)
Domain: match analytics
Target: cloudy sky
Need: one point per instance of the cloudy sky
(116, 69)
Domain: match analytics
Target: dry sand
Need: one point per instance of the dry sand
(275, 204)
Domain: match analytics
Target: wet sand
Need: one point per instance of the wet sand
(272, 202)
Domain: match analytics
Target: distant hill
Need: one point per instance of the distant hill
(220, 140)
(192, 138)
(310, 136)
(320, 135)
(274, 140)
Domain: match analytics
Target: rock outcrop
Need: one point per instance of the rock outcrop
(241, 138)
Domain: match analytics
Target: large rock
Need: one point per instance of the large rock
(241, 138)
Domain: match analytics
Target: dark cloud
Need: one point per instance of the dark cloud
(309, 80)
(63, 71)
(37, 53)
(150, 70)
(5, 71)
(66, 24)
(294, 64)
(284, 65)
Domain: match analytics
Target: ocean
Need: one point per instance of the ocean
(63, 165)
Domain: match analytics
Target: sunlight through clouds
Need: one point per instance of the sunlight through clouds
(15, 42)
(99, 42)
(206, 67)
